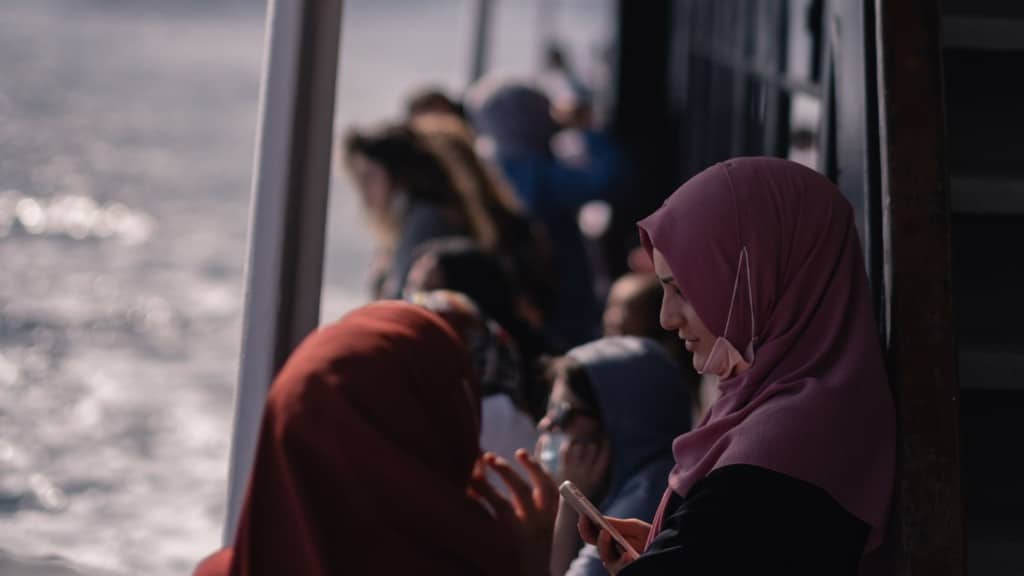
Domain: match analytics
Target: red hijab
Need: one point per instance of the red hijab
(368, 441)
(814, 403)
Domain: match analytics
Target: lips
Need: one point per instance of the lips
(690, 343)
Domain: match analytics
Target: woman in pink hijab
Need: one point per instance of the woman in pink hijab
(791, 471)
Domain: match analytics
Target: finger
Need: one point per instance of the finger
(479, 468)
(607, 548)
(482, 488)
(544, 490)
(587, 529)
(520, 490)
(628, 556)
(496, 501)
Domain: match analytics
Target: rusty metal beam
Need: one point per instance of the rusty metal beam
(928, 520)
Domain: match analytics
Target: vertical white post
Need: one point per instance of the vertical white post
(289, 205)
(481, 39)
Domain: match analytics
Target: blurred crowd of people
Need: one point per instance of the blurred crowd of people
(427, 433)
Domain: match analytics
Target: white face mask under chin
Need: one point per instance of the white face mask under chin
(729, 361)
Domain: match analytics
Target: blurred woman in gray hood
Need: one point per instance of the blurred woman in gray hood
(616, 405)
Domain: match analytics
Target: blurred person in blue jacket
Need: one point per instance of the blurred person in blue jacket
(516, 131)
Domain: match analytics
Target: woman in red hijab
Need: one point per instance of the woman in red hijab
(791, 471)
(367, 462)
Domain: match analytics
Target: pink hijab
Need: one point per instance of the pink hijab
(814, 403)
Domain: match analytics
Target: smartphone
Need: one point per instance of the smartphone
(574, 497)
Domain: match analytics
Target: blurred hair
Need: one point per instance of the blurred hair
(479, 274)
(643, 302)
(491, 201)
(432, 100)
(487, 279)
(488, 197)
(575, 377)
(416, 169)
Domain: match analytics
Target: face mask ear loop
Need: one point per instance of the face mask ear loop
(703, 369)
(732, 299)
(745, 255)
(728, 317)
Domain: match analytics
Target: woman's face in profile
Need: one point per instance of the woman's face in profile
(679, 316)
(374, 183)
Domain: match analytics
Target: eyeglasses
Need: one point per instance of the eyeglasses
(559, 414)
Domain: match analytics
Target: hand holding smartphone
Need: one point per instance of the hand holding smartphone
(577, 500)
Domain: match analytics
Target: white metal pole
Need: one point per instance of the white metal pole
(481, 48)
(286, 225)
